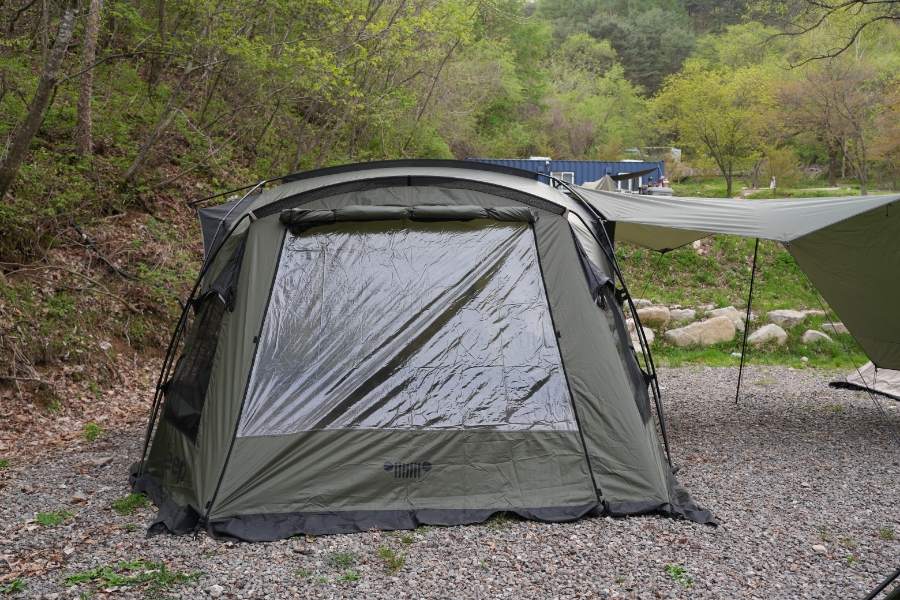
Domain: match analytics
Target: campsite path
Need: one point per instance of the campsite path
(796, 465)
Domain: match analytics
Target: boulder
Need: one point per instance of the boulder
(834, 327)
(713, 331)
(767, 333)
(654, 315)
(648, 333)
(812, 335)
(732, 313)
(786, 318)
(641, 303)
(680, 315)
(813, 312)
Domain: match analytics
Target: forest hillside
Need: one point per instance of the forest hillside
(114, 114)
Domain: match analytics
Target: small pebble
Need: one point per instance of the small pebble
(751, 463)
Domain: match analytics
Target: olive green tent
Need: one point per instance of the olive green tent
(849, 247)
(404, 343)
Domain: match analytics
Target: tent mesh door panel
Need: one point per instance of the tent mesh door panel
(187, 390)
(408, 325)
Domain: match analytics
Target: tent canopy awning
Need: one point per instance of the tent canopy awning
(849, 247)
(643, 219)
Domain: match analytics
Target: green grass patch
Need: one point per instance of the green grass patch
(4, 462)
(676, 573)
(156, 575)
(348, 577)
(802, 193)
(718, 274)
(51, 519)
(342, 560)
(92, 431)
(886, 532)
(130, 504)
(703, 187)
(394, 560)
(14, 587)
(303, 573)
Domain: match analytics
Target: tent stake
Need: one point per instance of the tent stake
(747, 321)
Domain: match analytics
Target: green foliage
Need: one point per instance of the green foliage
(886, 532)
(132, 573)
(342, 559)
(395, 561)
(92, 431)
(303, 573)
(4, 462)
(744, 45)
(651, 45)
(676, 573)
(498, 521)
(53, 518)
(719, 113)
(348, 577)
(130, 504)
(14, 587)
(407, 539)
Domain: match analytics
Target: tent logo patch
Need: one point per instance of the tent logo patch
(411, 470)
(176, 466)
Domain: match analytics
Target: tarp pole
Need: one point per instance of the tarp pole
(883, 585)
(747, 321)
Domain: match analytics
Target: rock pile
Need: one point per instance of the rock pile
(722, 324)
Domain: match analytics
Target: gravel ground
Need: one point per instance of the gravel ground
(803, 478)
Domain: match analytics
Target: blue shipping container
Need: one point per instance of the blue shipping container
(580, 171)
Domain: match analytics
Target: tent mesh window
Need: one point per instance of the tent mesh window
(401, 325)
(187, 390)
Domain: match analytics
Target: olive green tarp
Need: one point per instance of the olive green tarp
(849, 247)
(392, 345)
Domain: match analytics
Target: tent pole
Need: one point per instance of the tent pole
(747, 321)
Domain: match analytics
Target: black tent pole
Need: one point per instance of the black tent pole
(747, 321)
(883, 585)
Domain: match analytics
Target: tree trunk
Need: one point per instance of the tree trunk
(162, 124)
(863, 170)
(832, 166)
(843, 160)
(83, 141)
(156, 65)
(41, 101)
(45, 30)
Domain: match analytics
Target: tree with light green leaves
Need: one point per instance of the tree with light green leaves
(720, 113)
